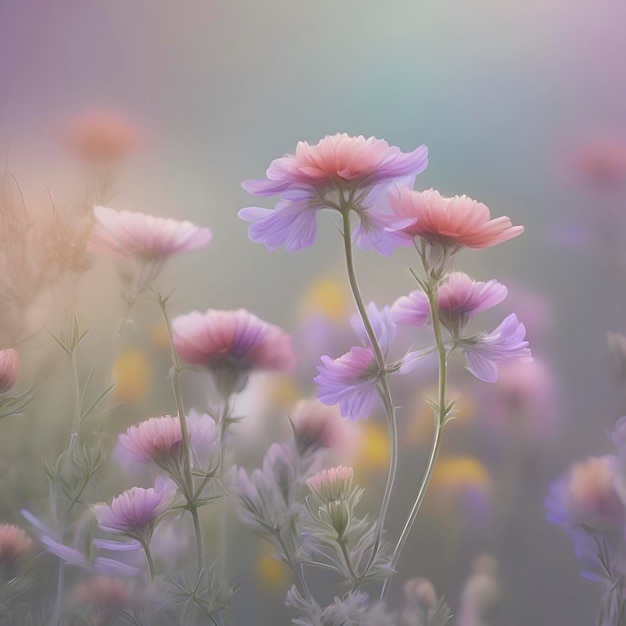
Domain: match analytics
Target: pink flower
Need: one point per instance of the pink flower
(587, 496)
(459, 298)
(317, 426)
(101, 137)
(231, 344)
(108, 598)
(340, 172)
(332, 484)
(458, 222)
(602, 162)
(136, 511)
(9, 368)
(124, 233)
(483, 352)
(15, 547)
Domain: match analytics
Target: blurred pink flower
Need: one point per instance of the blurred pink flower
(459, 298)
(317, 426)
(107, 598)
(340, 173)
(15, 546)
(457, 222)
(102, 137)
(135, 512)
(231, 344)
(124, 233)
(587, 496)
(602, 162)
(9, 368)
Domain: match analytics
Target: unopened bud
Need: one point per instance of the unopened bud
(339, 513)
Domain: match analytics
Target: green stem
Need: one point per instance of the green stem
(432, 292)
(189, 491)
(384, 390)
(146, 548)
(298, 572)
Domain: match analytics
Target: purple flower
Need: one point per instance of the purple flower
(341, 173)
(483, 352)
(459, 298)
(135, 512)
(351, 380)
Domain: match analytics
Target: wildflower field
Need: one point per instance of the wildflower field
(312, 313)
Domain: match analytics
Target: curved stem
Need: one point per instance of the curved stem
(189, 491)
(146, 548)
(432, 292)
(384, 390)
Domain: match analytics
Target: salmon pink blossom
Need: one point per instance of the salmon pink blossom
(342, 173)
(457, 222)
(15, 547)
(9, 368)
(231, 344)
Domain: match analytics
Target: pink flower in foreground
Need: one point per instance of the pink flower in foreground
(458, 222)
(459, 298)
(231, 344)
(483, 352)
(9, 368)
(136, 511)
(101, 137)
(15, 546)
(332, 484)
(124, 233)
(340, 172)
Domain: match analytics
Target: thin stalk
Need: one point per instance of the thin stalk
(298, 572)
(383, 387)
(432, 292)
(189, 491)
(77, 399)
(146, 548)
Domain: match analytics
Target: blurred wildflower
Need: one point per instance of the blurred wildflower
(132, 376)
(459, 298)
(602, 162)
(480, 592)
(136, 511)
(102, 137)
(374, 450)
(331, 484)
(586, 496)
(9, 368)
(484, 351)
(232, 344)
(15, 547)
(617, 351)
(421, 606)
(102, 598)
(270, 572)
(340, 172)
(327, 296)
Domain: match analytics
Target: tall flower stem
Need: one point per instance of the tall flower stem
(189, 490)
(383, 387)
(431, 290)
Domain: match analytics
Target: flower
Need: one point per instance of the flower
(127, 233)
(505, 342)
(9, 368)
(459, 298)
(101, 137)
(15, 546)
(602, 162)
(135, 512)
(332, 484)
(317, 426)
(231, 344)
(457, 222)
(586, 496)
(341, 173)
(351, 380)
(107, 598)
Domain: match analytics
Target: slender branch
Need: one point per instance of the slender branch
(384, 390)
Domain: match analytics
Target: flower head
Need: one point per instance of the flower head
(317, 426)
(135, 512)
(332, 484)
(102, 137)
(15, 546)
(340, 172)
(9, 368)
(231, 344)
(459, 298)
(483, 352)
(586, 496)
(457, 222)
(106, 598)
(133, 234)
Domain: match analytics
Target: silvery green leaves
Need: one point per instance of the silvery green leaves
(352, 608)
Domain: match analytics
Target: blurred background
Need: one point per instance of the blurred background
(522, 106)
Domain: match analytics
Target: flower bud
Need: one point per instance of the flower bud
(9, 368)
(339, 513)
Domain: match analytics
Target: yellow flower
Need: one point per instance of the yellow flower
(326, 295)
(270, 572)
(373, 453)
(456, 473)
(132, 374)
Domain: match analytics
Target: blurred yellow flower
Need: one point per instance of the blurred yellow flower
(270, 572)
(132, 376)
(159, 336)
(325, 295)
(373, 453)
(284, 391)
(456, 473)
